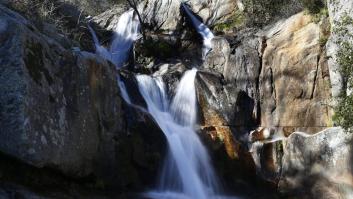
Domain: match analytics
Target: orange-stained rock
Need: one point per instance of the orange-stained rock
(261, 133)
(214, 126)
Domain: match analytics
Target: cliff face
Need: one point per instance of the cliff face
(62, 114)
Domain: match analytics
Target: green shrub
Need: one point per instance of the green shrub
(344, 108)
(313, 6)
(344, 113)
(261, 12)
(317, 17)
(236, 21)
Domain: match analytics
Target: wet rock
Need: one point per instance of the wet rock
(171, 74)
(154, 50)
(293, 84)
(132, 88)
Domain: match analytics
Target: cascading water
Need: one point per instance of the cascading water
(187, 172)
(202, 29)
(125, 33)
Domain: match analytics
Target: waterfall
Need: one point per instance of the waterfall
(187, 172)
(202, 29)
(125, 33)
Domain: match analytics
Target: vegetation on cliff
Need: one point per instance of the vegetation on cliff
(344, 109)
(314, 6)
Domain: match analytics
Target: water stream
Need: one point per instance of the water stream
(187, 172)
(202, 29)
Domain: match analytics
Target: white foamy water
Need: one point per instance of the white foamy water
(187, 171)
(202, 29)
(125, 33)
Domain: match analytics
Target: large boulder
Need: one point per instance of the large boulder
(62, 110)
(319, 166)
(48, 114)
(309, 166)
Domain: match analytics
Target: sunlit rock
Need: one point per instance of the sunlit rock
(294, 81)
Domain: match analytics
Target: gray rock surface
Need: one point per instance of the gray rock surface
(38, 116)
(62, 110)
(166, 15)
(320, 165)
(308, 166)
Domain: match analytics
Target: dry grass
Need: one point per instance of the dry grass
(53, 14)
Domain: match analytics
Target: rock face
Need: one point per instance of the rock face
(166, 15)
(283, 71)
(62, 110)
(218, 58)
(39, 118)
(110, 18)
(232, 105)
(294, 91)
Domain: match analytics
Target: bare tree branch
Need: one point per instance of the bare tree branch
(133, 4)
